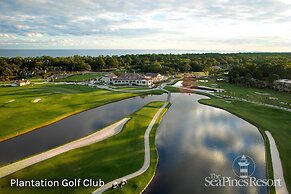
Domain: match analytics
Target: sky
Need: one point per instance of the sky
(207, 25)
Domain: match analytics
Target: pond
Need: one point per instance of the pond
(195, 141)
(71, 128)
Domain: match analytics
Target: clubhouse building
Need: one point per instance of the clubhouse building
(136, 79)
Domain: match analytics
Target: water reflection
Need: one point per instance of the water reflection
(194, 140)
(71, 128)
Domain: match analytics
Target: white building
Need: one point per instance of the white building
(22, 82)
(282, 85)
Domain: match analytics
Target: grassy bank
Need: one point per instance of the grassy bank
(276, 121)
(131, 88)
(253, 94)
(22, 114)
(109, 159)
(80, 77)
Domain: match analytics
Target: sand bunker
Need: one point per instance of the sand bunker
(37, 100)
(265, 94)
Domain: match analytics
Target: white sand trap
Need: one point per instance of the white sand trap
(37, 100)
(10, 101)
(264, 94)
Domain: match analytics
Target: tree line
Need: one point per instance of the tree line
(242, 68)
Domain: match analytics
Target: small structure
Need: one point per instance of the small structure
(282, 85)
(156, 77)
(243, 164)
(22, 82)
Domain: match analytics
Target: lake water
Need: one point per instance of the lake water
(71, 128)
(195, 140)
(87, 52)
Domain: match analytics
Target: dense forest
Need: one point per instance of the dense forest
(243, 68)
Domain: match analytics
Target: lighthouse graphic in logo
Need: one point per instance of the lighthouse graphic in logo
(243, 167)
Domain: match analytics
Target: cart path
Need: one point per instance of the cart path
(277, 165)
(146, 163)
(85, 141)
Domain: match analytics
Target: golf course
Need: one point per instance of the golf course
(112, 158)
(30, 107)
(261, 95)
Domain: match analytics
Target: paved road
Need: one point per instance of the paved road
(93, 138)
(146, 163)
(277, 166)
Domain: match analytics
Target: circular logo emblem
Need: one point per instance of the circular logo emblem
(243, 166)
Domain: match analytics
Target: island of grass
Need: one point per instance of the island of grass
(44, 104)
(112, 158)
(140, 183)
(276, 121)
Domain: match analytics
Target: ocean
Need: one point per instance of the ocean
(87, 52)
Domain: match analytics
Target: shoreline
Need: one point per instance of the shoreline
(98, 136)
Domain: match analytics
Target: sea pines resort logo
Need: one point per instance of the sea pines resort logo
(243, 167)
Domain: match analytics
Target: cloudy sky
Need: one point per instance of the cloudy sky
(218, 25)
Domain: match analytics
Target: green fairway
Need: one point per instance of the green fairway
(276, 121)
(109, 159)
(80, 77)
(22, 110)
(132, 88)
(252, 94)
(138, 184)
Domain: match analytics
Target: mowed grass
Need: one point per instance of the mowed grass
(138, 184)
(19, 114)
(80, 77)
(112, 158)
(132, 88)
(253, 94)
(278, 122)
